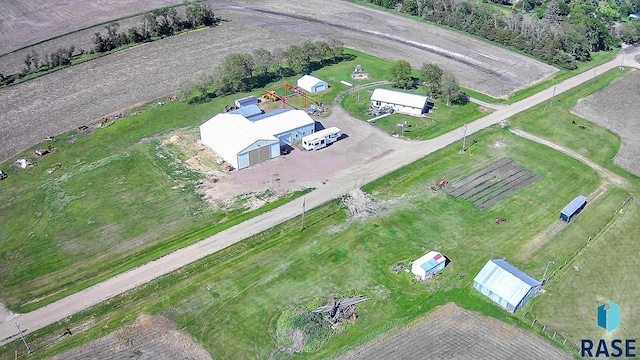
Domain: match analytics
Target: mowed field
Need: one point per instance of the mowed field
(615, 108)
(82, 94)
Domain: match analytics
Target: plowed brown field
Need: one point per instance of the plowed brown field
(450, 332)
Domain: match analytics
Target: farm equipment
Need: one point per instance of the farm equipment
(499, 221)
(439, 185)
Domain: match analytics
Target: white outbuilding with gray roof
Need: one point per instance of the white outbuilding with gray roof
(401, 102)
(505, 285)
(242, 142)
(312, 84)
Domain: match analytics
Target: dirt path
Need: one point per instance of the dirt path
(606, 175)
(336, 185)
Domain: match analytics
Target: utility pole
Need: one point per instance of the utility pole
(553, 96)
(303, 203)
(622, 63)
(594, 78)
(464, 138)
(22, 336)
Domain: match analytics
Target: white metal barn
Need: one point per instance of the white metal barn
(428, 265)
(401, 102)
(312, 84)
(244, 142)
(505, 285)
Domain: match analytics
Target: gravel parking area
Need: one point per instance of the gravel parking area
(82, 94)
(450, 332)
(615, 108)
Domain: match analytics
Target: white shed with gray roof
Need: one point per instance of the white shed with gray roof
(505, 285)
(401, 102)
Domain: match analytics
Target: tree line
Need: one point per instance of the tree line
(240, 72)
(156, 24)
(559, 32)
(438, 83)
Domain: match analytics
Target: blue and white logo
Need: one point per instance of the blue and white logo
(609, 319)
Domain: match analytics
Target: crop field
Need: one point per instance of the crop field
(40, 107)
(27, 22)
(149, 337)
(214, 299)
(615, 108)
(450, 332)
(489, 185)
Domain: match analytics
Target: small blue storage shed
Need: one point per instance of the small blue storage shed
(573, 208)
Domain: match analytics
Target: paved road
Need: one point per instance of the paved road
(337, 185)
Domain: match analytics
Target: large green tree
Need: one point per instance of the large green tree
(234, 74)
(400, 74)
(431, 78)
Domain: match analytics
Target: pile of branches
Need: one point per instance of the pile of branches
(341, 310)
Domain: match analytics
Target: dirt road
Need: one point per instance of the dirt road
(337, 185)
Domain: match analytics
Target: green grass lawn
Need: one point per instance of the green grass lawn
(554, 123)
(439, 120)
(569, 306)
(339, 256)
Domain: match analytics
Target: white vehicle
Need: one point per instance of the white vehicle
(321, 139)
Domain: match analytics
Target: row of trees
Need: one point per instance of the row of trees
(157, 23)
(562, 34)
(242, 71)
(33, 63)
(438, 83)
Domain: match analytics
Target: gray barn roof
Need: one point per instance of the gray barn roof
(504, 280)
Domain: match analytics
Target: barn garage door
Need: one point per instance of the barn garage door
(259, 155)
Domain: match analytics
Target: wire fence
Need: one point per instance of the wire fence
(545, 329)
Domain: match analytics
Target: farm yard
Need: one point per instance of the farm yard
(154, 70)
(347, 246)
(615, 108)
(450, 332)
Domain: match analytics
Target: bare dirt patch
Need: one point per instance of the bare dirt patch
(79, 95)
(450, 332)
(615, 108)
(149, 337)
